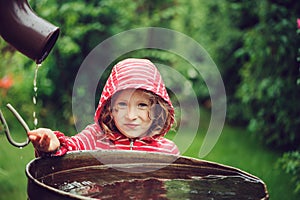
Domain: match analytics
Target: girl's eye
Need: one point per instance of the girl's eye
(142, 105)
(122, 105)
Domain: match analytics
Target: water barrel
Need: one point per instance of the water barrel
(137, 175)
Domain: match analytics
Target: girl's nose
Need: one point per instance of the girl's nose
(131, 113)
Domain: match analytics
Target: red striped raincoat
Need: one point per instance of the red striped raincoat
(129, 73)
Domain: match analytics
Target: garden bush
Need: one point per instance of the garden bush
(290, 163)
(267, 90)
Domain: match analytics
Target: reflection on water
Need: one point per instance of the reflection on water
(134, 189)
(180, 180)
(209, 187)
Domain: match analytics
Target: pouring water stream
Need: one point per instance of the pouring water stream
(34, 99)
(19, 118)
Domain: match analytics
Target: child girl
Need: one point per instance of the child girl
(134, 113)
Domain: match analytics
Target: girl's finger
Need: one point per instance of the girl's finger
(42, 142)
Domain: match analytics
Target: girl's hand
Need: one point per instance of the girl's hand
(44, 140)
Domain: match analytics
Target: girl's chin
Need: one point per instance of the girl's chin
(133, 135)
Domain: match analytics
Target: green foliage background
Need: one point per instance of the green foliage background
(254, 44)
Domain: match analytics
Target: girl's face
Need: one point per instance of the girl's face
(132, 113)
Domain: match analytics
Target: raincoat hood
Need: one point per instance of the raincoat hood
(134, 73)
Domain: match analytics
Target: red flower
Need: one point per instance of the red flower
(6, 82)
(298, 23)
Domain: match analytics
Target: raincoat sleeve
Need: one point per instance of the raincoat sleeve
(85, 140)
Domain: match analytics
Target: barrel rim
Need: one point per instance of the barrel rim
(132, 152)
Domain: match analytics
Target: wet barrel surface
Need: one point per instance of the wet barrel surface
(138, 175)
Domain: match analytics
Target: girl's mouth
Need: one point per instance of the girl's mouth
(131, 126)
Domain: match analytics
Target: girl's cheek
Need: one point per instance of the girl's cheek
(119, 115)
(150, 113)
(146, 115)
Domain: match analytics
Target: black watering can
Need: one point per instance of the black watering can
(24, 30)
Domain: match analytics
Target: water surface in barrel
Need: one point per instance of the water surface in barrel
(166, 183)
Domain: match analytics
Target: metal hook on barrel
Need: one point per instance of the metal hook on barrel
(6, 129)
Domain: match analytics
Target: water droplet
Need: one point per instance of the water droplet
(35, 122)
(34, 100)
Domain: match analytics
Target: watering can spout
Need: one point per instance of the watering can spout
(25, 31)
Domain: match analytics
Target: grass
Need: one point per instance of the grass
(13, 181)
(235, 147)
